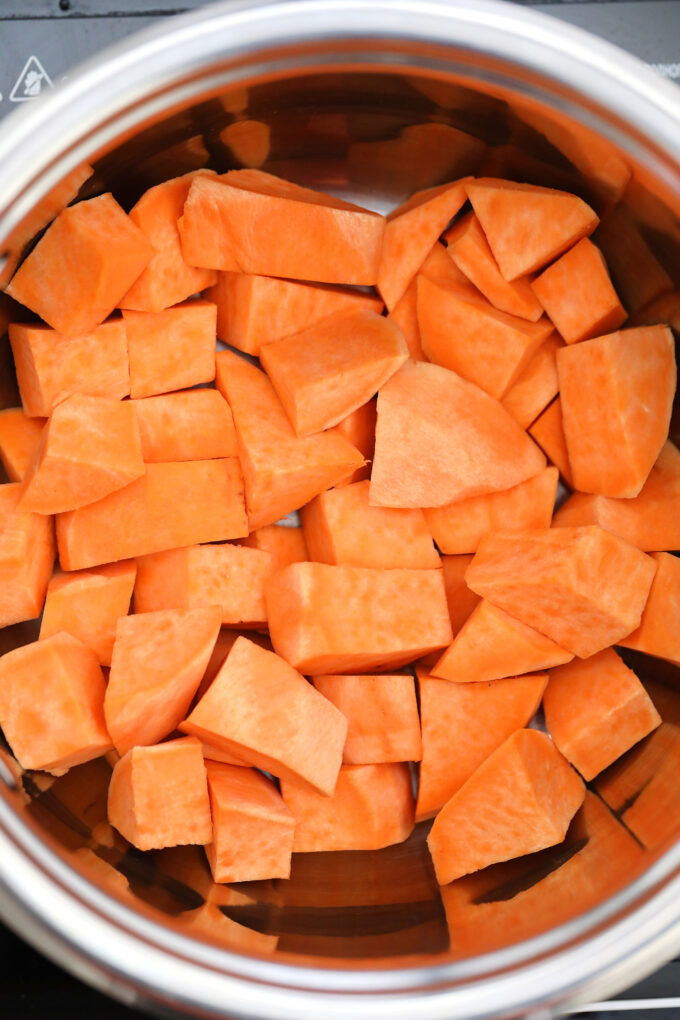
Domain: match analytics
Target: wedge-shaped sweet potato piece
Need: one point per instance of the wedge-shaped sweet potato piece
(341, 527)
(659, 630)
(158, 796)
(51, 366)
(332, 368)
(638, 275)
(461, 599)
(382, 716)
(281, 471)
(617, 396)
(528, 226)
(167, 279)
(536, 385)
(372, 807)
(261, 709)
(461, 330)
(171, 505)
(171, 349)
(578, 295)
(548, 431)
(598, 858)
(358, 428)
(326, 619)
(459, 527)
(651, 520)
(410, 231)
(238, 222)
(105, 253)
(157, 664)
(88, 605)
(439, 438)
(462, 724)
(285, 545)
(469, 249)
(52, 704)
(252, 827)
(27, 552)
(229, 576)
(256, 310)
(492, 645)
(226, 639)
(520, 800)
(19, 438)
(189, 425)
(582, 587)
(595, 710)
(89, 448)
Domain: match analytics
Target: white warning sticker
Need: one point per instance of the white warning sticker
(32, 81)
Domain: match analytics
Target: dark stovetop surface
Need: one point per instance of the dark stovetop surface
(49, 37)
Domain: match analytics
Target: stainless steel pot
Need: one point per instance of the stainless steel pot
(369, 99)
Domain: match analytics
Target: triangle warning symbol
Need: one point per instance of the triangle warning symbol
(32, 81)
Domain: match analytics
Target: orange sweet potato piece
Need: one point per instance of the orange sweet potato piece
(171, 505)
(637, 274)
(548, 431)
(372, 807)
(51, 367)
(167, 279)
(461, 599)
(528, 226)
(582, 587)
(226, 639)
(261, 709)
(27, 552)
(358, 428)
(89, 448)
(536, 385)
(285, 545)
(256, 310)
(461, 330)
(617, 395)
(252, 827)
(595, 710)
(492, 645)
(88, 605)
(341, 527)
(439, 438)
(51, 704)
(598, 858)
(281, 471)
(382, 716)
(578, 295)
(410, 231)
(459, 527)
(469, 249)
(651, 520)
(157, 664)
(405, 315)
(189, 425)
(172, 349)
(659, 630)
(229, 576)
(19, 438)
(105, 253)
(330, 369)
(520, 800)
(326, 619)
(462, 724)
(238, 222)
(158, 796)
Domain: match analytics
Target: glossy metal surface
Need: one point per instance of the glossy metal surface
(370, 101)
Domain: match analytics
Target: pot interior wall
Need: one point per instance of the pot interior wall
(377, 137)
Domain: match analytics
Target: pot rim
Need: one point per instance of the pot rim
(49, 902)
